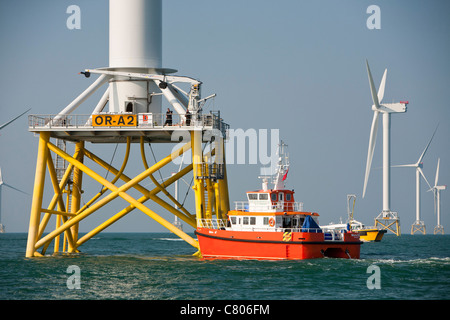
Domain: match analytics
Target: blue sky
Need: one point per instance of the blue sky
(296, 66)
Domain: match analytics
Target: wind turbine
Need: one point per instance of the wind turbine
(2, 183)
(437, 201)
(385, 109)
(2, 227)
(419, 225)
(5, 124)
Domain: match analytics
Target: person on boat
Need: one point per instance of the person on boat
(188, 118)
(168, 117)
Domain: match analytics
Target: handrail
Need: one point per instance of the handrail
(211, 223)
(329, 235)
(74, 121)
(268, 206)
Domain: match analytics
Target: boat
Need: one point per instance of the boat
(271, 225)
(370, 234)
(366, 233)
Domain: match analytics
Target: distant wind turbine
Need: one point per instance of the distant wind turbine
(2, 183)
(437, 201)
(5, 124)
(419, 225)
(385, 109)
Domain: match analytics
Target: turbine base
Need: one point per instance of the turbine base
(418, 226)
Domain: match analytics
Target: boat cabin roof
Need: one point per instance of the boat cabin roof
(293, 213)
(270, 201)
(272, 191)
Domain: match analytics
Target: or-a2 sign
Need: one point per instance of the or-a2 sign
(114, 120)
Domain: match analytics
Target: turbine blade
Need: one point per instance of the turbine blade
(421, 172)
(7, 185)
(372, 87)
(381, 88)
(5, 124)
(14, 188)
(372, 142)
(437, 173)
(404, 165)
(426, 148)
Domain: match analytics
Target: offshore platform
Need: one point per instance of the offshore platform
(129, 112)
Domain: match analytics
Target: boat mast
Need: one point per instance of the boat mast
(282, 167)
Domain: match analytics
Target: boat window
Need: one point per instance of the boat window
(233, 220)
(274, 197)
(287, 222)
(288, 197)
(252, 196)
(245, 220)
(253, 220)
(266, 221)
(281, 196)
(263, 196)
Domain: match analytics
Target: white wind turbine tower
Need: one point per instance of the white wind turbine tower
(2, 183)
(437, 201)
(419, 225)
(386, 218)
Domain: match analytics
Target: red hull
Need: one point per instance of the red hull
(224, 244)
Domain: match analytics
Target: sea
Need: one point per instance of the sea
(161, 267)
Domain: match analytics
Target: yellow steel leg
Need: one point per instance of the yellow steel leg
(162, 188)
(54, 200)
(58, 194)
(217, 200)
(117, 173)
(197, 156)
(128, 209)
(223, 191)
(116, 192)
(56, 245)
(38, 192)
(188, 218)
(76, 190)
(221, 187)
(209, 193)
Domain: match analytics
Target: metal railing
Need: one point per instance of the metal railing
(211, 223)
(329, 235)
(210, 171)
(51, 121)
(157, 120)
(268, 206)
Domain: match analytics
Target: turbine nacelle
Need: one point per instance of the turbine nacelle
(398, 107)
